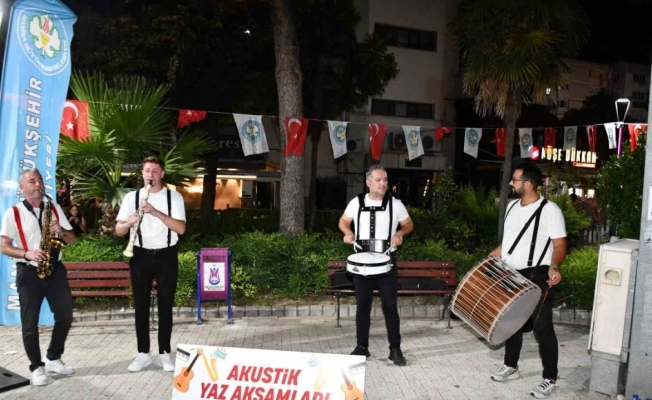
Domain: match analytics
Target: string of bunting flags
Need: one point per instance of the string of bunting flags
(74, 123)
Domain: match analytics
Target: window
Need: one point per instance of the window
(562, 103)
(402, 109)
(410, 38)
(594, 73)
(638, 96)
(639, 78)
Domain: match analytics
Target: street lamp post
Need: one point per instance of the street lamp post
(619, 123)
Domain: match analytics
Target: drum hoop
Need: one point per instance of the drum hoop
(369, 264)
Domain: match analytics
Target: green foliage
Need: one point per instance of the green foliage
(576, 221)
(620, 189)
(579, 272)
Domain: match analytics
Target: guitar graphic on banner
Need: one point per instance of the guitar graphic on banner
(182, 381)
(350, 389)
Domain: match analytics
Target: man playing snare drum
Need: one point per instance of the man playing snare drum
(377, 216)
(537, 256)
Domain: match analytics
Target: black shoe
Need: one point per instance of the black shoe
(396, 355)
(360, 351)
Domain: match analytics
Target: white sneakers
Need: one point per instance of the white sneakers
(39, 377)
(144, 360)
(165, 361)
(57, 366)
(506, 373)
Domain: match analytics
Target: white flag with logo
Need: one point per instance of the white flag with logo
(611, 134)
(337, 131)
(413, 141)
(570, 137)
(526, 142)
(472, 138)
(252, 134)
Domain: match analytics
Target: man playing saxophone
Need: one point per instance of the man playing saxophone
(155, 255)
(23, 227)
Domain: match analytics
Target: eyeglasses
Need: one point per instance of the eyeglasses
(518, 180)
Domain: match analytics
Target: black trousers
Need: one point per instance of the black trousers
(145, 265)
(387, 285)
(31, 292)
(543, 328)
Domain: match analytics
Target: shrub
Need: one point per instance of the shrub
(579, 272)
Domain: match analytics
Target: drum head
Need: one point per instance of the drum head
(514, 316)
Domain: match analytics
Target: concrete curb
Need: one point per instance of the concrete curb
(564, 316)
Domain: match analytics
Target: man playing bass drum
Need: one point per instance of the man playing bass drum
(377, 216)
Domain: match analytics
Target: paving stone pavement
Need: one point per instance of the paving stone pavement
(442, 363)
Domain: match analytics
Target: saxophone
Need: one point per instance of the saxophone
(48, 240)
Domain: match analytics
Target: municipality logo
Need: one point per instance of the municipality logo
(570, 136)
(472, 138)
(526, 141)
(251, 130)
(44, 41)
(339, 133)
(413, 139)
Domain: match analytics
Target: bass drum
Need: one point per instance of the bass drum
(495, 300)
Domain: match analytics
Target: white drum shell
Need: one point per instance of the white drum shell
(368, 264)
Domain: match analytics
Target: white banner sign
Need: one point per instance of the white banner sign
(214, 274)
(208, 372)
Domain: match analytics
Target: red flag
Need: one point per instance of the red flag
(549, 137)
(634, 131)
(501, 134)
(186, 117)
(441, 131)
(592, 135)
(376, 139)
(296, 129)
(74, 121)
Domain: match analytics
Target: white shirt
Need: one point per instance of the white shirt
(551, 225)
(399, 214)
(31, 228)
(154, 232)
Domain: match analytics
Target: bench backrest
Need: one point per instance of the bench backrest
(103, 274)
(441, 270)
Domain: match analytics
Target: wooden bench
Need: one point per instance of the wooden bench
(439, 270)
(99, 279)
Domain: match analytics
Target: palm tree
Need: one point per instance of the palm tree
(127, 123)
(512, 50)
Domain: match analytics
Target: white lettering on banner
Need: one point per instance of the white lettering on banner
(12, 303)
(229, 144)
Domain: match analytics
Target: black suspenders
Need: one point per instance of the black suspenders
(169, 195)
(536, 217)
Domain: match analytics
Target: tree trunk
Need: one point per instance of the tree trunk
(209, 188)
(288, 82)
(512, 113)
(107, 223)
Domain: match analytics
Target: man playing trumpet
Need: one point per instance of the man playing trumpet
(155, 255)
(21, 239)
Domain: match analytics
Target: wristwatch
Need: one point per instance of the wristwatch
(554, 266)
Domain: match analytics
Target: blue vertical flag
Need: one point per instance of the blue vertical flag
(33, 91)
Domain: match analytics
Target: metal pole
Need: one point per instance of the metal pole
(640, 352)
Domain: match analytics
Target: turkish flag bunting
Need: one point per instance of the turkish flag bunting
(634, 131)
(501, 135)
(296, 129)
(549, 136)
(376, 139)
(591, 133)
(441, 131)
(74, 121)
(186, 117)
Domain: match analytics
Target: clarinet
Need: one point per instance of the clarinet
(129, 251)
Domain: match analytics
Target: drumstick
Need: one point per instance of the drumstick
(355, 244)
(545, 295)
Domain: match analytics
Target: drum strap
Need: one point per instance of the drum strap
(372, 216)
(536, 217)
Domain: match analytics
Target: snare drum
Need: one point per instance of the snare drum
(495, 300)
(368, 264)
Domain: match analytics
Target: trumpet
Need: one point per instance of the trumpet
(129, 251)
